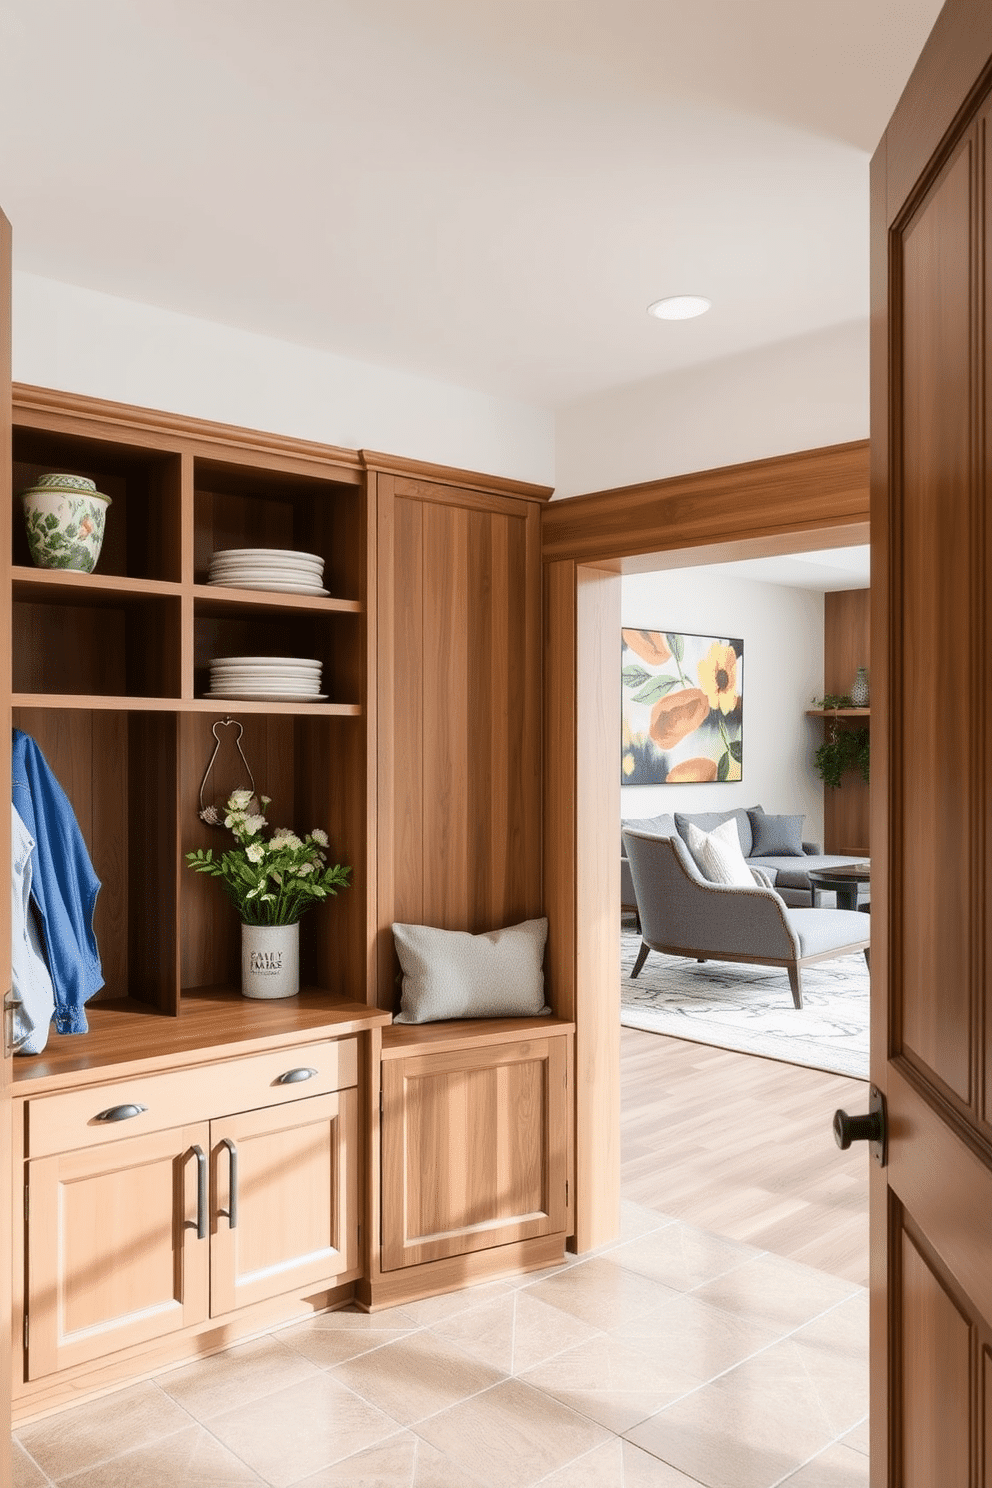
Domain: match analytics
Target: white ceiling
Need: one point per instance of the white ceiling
(488, 192)
(835, 568)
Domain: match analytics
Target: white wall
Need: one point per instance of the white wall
(782, 629)
(80, 341)
(790, 396)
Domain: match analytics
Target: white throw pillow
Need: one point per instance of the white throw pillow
(718, 855)
(452, 974)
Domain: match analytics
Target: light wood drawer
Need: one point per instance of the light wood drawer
(63, 1122)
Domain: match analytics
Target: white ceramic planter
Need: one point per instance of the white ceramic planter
(64, 517)
(270, 960)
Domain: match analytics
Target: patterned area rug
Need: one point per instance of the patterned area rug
(749, 1008)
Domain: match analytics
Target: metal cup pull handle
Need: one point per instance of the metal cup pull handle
(294, 1076)
(121, 1113)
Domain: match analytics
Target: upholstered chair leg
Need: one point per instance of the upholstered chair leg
(796, 983)
(642, 956)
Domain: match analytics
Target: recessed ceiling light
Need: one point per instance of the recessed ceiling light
(679, 307)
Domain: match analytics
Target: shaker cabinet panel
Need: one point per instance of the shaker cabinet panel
(474, 1149)
(117, 1246)
(285, 1210)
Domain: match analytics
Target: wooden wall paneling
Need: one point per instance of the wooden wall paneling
(88, 754)
(450, 815)
(846, 637)
(400, 708)
(160, 553)
(559, 783)
(331, 794)
(846, 646)
(811, 491)
(597, 1037)
(459, 720)
(369, 697)
(153, 922)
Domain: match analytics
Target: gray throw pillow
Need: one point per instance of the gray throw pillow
(776, 836)
(452, 974)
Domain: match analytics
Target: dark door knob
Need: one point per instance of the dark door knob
(848, 1129)
(867, 1128)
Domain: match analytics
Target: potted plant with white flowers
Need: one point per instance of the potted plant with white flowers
(272, 882)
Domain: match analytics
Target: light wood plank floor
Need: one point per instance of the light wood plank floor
(743, 1147)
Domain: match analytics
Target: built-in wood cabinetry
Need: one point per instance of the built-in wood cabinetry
(131, 1238)
(218, 1196)
(474, 1140)
(846, 647)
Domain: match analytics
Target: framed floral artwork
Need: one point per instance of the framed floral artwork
(682, 708)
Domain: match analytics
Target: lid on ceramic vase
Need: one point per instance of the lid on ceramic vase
(76, 485)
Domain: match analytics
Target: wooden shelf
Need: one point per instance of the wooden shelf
(400, 1039)
(214, 599)
(215, 1020)
(838, 712)
(68, 587)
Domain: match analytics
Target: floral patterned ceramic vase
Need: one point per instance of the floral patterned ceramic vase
(64, 517)
(859, 691)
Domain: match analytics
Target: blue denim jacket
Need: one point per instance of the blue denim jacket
(64, 886)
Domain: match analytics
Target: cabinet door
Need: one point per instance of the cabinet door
(474, 1149)
(114, 1254)
(294, 1216)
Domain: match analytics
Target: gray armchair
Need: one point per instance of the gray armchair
(682, 914)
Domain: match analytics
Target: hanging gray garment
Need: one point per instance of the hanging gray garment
(32, 981)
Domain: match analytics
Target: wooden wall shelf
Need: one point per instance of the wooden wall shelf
(838, 712)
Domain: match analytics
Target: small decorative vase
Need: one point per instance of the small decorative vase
(859, 691)
(64, 517)
(270, 960)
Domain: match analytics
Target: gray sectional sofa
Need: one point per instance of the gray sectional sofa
(789, 872)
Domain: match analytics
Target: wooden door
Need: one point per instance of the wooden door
(118, 1248)
(931, 1206)
(474, 1149)
(294, 1219)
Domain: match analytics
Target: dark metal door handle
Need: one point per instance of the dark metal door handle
(231, 1212)
(294, 1076)
(120, 1113)
(869, 1128)
(201, 1191)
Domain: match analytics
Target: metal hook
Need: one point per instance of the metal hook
(210, 814)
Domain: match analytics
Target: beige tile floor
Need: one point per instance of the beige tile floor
(672, 1359)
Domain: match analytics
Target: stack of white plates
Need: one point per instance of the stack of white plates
(281, 569)
(266, 679)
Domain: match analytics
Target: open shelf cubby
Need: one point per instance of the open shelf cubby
(91, 640)
(238, 507)
(313, 770)
(141, 540)
(119, 771)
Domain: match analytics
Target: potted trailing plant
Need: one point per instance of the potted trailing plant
(845, 747)
(271, 882)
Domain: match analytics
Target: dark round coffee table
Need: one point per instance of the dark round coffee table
(843, 879)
